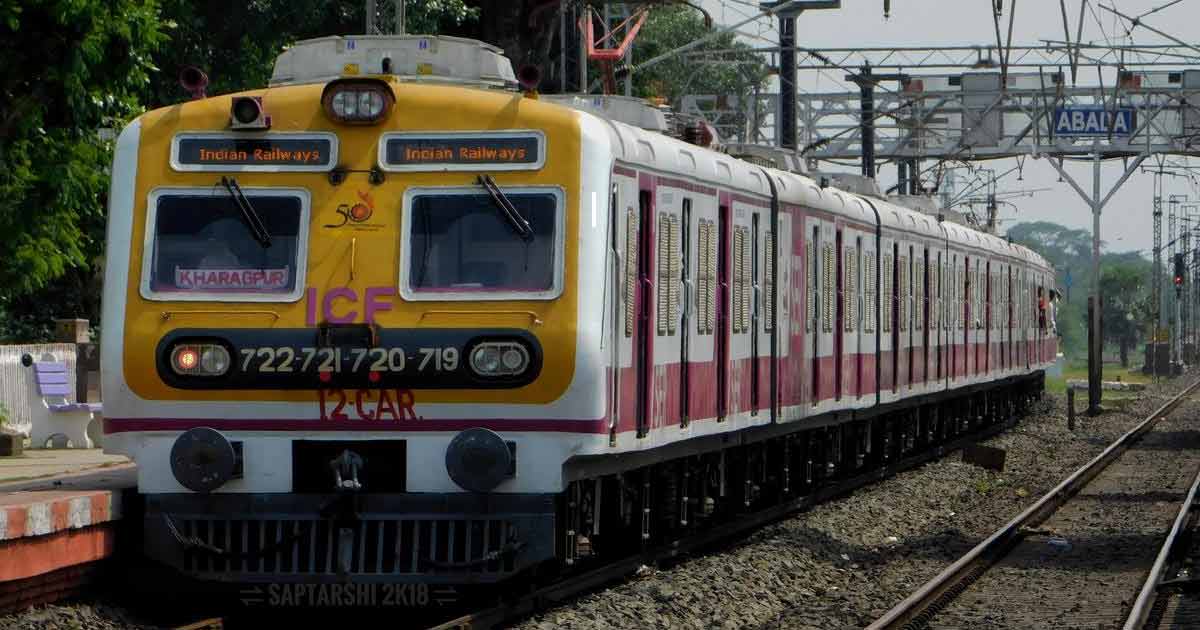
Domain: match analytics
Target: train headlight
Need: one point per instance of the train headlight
(357, 101)
(200, 359)
(499, 359)
(214, 360)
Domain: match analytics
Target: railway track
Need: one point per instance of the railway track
(1078, 556)
(1168, 598)
(574, 585)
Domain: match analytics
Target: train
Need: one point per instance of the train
(398, 318)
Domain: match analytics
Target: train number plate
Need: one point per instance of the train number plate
(307, 360)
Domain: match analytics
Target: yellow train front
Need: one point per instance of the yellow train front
(324, 302)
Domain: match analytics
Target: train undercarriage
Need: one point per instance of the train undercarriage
(613, 514)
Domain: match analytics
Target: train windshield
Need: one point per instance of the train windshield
(204, 247)
(460, 242)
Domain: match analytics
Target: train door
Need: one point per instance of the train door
(812, 316)
(855, 322)
(839, 320)
(722, 312)
(936, 322)
(988, 315)
(645, 287)
(868, 382)
(755, 311)
(685, 332)
(886, 296)
(899, 360)
(927, 348)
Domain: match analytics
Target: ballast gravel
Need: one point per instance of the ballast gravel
(839, 565)
(846, 562)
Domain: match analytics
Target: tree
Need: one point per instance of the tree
(670, 27)
(1126, 305)
(72, 69)
(236, 43)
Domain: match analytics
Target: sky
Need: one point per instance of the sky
(1127, 220)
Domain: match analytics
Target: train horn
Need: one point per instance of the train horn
(194, 81)
(529, 77)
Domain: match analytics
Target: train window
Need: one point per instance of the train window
(887, 307)
(959, 295)
(849, 292)
(713, 265)
(631, 267)
(919, 304)
(904, 294)
(769, 282)
(669, 273)
(703, 277)
(461, 244)
(739, 277)
(869, 288)
(202, 247)
(810, 291)
(827, 263)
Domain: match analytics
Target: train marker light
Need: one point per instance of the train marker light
(357, 102)
(200, 360)
(499, 359)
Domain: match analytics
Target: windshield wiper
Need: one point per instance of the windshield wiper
(519, 224)
(257, 228)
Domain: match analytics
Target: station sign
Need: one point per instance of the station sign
(1094, 121)
(457, 151)
(274, 152)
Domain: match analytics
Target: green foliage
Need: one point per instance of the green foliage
(71, 68)
(1125, 284)
(236, 43)
(670, 27)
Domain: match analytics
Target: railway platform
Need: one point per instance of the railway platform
(59, 520)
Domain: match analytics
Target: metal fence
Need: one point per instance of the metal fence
(14, 388)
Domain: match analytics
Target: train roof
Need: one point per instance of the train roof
(651, 149)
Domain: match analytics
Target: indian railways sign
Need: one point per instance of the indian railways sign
(456, 151)
(254, 152)
(1094, 121)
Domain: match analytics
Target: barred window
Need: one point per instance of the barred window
(740, 280)
(935, 311)
(631, 267)
(847, 289)
(870, 284)
(904, 293)
(827, 288)
(919, 315)
(769, 284)
(959, 297)
(706, 277)
(810, 290)
(711, 271)
(886, 305)
(664, 271)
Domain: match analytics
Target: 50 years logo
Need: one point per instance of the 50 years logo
(357, 214)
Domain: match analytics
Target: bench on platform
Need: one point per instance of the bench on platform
(55, 415)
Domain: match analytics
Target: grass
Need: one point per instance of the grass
(1113, 400)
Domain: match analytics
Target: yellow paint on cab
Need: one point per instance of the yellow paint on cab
(417, 108)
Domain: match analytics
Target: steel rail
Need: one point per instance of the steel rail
(1144, 604)
(572, 586)
(986, 553)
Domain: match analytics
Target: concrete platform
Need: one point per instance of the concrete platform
(38, 463)
(59, 515)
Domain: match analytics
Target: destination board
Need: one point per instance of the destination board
(480, 151)
(270, 152)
